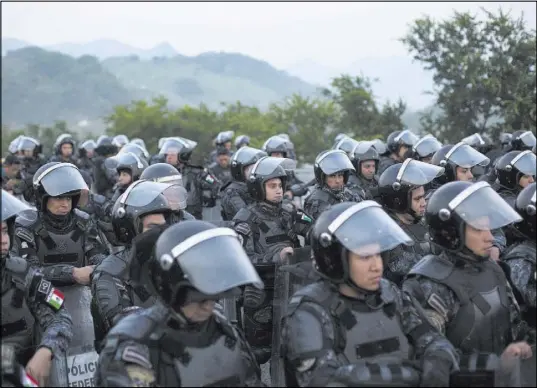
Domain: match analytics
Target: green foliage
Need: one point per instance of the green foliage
(484, 72)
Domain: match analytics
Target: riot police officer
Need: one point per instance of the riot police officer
(221, 168)
(353, 327)
(64, 149)
(170, 343)
(515, 171)
(402, 194)
(399, 145)
(281, 147)
(119, 141)
(235, 194)
(365, 159)
(464, 293)
(332, 170)
(104, 178)
(202, 187)
(242, 141)
(269, 232)
(222, 141)
(144, 206)
(129, 168)
(520, 257)
(425, 148)
(523, 140)
(86, 151)
(29, 150)
(28, 298)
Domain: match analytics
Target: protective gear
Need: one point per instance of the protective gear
(525, 206)
(265, 169)
(27, 143)
(276, 144)
(242, 141)
(330, 163)
(135, 149)
(400, 138)
(459, 155)
(364, 151)
(481, 142)
(425, 148)
(163, 173)
(513, 165)
(253, 297)
(65, 138)
(347, 145)
(523, 140)
(139, 142)
(244, 157)
(322, 197)
(127, 161)
(457, 204)
(105, 146)
(180, 146)
(120, 140)
(223, 138)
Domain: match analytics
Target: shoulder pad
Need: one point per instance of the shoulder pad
(27, 219)
(433, 267)
(227, 327)
(226, 185)
(25, 234)
(317, 292)
(521, 251)
(242, 215)
(288, 207)
(81, 214)
(112, 265)
(16, 265)
(137, 327)
(388, 291)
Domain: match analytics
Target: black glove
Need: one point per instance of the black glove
(253, 297)
(436, 369)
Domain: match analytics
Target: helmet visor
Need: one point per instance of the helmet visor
(416, 173)
(269, 164)
(366, 229)
(406, 137)
(482, 208)
(61, 179)
(525, 162)
(142, 193)
(11, 206)
(465, 156)
(528, 138)
(427, 146)
(214, 261)
(334, 161)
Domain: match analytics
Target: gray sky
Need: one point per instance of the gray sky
(332, 34)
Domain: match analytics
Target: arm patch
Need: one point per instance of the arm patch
(438, 305)
(25, 235)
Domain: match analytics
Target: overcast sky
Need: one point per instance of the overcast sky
(332, 34)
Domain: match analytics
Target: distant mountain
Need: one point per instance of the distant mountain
(9, 44)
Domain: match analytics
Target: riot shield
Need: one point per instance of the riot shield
(287, 281)
(77, 367)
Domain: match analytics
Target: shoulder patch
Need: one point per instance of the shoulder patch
(55, 298)
(438, 305)
(25, 235)
(16, 265)
(140, 377)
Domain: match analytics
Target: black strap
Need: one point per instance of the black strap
(49, 242)
(79, 230)
(14, 327)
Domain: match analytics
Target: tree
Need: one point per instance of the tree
(360, 115)
(483, 70)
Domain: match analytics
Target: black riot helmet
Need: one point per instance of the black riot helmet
(88, 145)
(141, 199)
(136, 149)
(457, 204)
(332, 162)
(65, 138)
(362, 152)
(276, 144)
(265, 169)
(242, 141)
(180, 146)
(59, 180)
(29, 145)
(11, 208)
(425, 148)
(139, 142)
(223, 138)
(480, 141)
(523, 140)
(244, 157)
(505, 138)
(163, 173)
(525, 206)
(398, 139)
(14, 145)
(120, 140)
(363, 228)
(346, 144)
(459, 155)
(338, 137)
(133, 164)
(380, 146)
(399, 180)
(514, 165)
(105, 146)
(186, 269)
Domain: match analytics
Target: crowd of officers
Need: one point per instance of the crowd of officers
(408, 262)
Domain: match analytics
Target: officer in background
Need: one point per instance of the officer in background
(466, 295)
(269, 232)
(242, 141)
(354, 328)
(104, 178)
(223, 140)
(399, 145)
(221, 168)
(170, 343)
(29, 301)
(402, 194)
(129, 168)
(515, 171)
(86, 152)
(425, 148)
(235, 194)
(120, 141)
(64, 149)
(145, 205)
(332, 170)
(523, 140)
(365, 160)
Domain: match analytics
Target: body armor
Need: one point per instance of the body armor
(234, 197)
(483, 321)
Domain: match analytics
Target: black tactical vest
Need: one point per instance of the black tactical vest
(482, 322)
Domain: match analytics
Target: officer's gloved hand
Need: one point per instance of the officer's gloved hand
(253, 297)
(436, 368)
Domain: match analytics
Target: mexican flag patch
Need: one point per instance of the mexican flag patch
(306, 218)
(209, 179)
(28, 381)
(55, 299)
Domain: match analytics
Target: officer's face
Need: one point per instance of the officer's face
(198, 311)
(124, 178)
(5, 239)
(366, 269)
(427, 159)
(277, 155)
(464, 174)
(67, 149)
(479, 241)
(171, 158)
(227, 145)
(28, 153)
(152, 220)
(223, 160)
(418, 201)
(526, 180)
(274, 190)
(402, 151)
(335, 181)
(59, 206)
(89, 153)
(368, 169)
